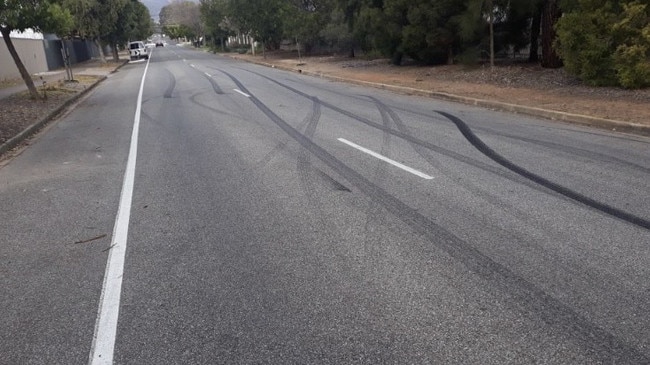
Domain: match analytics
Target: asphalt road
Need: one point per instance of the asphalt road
(274, 218)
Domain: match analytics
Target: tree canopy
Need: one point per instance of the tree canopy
(35, 14)
(603, 42)
(607, 42)
(182, 19)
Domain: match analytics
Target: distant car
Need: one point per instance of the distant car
(160, 44)
(137, 50)
(150, 45)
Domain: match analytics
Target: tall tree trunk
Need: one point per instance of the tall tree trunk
(490, 7)
(98, 43)
(550, 15)
(534, 35)
(116, 55)
(19, 63)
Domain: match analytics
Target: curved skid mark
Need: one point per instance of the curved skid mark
(213, 82)
(599, 343)
(490, 153)
(303, 162)
(423, 153)
(376, 215)
(215, 86)
(596, 156)
(194, 101)
(282, 145)
(443, 151)
(172, 84)
(532, 301)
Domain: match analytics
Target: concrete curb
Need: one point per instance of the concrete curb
(602, 123)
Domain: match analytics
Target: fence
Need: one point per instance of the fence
(39, 55)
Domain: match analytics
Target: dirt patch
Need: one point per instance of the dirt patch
(521, 84)
(19, 111)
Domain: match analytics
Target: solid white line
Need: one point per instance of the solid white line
(109, 303)
(243, 93)
(386, 159)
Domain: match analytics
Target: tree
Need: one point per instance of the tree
(133, 23)
(535, 28)
(632, 55)
(550, 15)
(350, 10)
(214, 15)
(263, 19)
(36, 14)
(607, 43)
(305, 19)
(109, 15)
(182, 18)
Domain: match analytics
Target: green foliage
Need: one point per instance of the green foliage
(607, 43)
(632, 56)
(39, 15)
(263, 19)
(182, 19)
(336, 33)
(439, 31)
(305, 19)
(213, 14)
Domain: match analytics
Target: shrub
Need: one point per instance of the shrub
(607, 43)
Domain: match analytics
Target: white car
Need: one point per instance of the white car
(137, 50)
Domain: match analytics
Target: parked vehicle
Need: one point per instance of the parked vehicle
(137, 50)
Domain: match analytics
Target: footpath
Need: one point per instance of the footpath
(88, 68)
(21, 117)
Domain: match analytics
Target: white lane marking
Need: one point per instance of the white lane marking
(207, 74)
(103, 344)
(243, 93)
(386, 159)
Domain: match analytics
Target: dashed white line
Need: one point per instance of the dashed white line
(386, 159)
(207, 74)
(243, 93)
(103, 345)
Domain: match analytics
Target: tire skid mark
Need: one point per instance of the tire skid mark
(172, 84)
(310, 123)
(198, 103)
(213, 82)
(494, 156)
(303, 161)
(596, 156)
(441, 150)
(532, 301)
(535, 181)
(215, 86)
(429, 159)
(376, 215)
(306, 169)
(570, 269)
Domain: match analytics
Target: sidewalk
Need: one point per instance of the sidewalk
(92, 67)
(21, 117)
